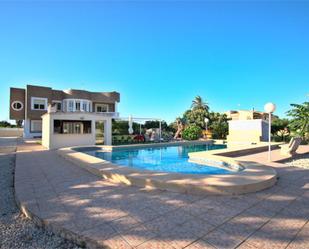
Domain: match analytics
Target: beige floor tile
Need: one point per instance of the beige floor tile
(155, 243)
(222, 240)
(116, 242)
(124, 223)
(200, 244)
(137, 235)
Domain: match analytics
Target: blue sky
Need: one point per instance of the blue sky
(160, 55)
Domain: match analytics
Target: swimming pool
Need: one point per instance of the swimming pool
(163, 159)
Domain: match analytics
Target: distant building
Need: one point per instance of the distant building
(63, 118)
(247, 115)
(248, 126)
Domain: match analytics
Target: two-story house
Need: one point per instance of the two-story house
(63, 118)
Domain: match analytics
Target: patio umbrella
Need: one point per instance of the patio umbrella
(130, 125)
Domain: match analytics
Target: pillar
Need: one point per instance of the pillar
(108, 131)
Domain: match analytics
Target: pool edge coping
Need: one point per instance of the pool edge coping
(254, 177)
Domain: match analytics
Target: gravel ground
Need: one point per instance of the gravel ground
(301, 161)
(16, 231)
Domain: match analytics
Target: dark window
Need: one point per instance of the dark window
(17, 106)
(39, 103)
(87, 127)
(102, 108)
(57, 126)
(77, 106)
(72, 127)
(58, 106)
(39, 106)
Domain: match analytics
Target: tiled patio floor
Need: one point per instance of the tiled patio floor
(129, 217)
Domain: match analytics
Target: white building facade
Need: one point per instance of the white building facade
(64, 118)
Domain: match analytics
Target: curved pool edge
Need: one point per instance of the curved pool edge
(253, 178)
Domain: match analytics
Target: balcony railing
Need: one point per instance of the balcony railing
(104, 114)
(108, 114)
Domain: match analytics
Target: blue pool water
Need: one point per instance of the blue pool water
(164, 159)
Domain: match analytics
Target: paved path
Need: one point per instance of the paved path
(103, 213)
(16, 231)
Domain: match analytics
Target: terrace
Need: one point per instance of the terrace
(94, 212)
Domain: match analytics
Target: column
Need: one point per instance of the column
(108, 131)
(93, 131)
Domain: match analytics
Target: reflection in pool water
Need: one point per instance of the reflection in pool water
(164, 159)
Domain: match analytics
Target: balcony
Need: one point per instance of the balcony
(53, 109)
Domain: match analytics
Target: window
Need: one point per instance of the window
(17, 105)
(36, 126)
(85, 106)
(72, 127)
(57, 104)
(38, 103)
(71, 106)
(58, 126)
(101, 108)
(77, 106)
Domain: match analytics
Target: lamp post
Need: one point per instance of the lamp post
(160, 130)
(269, 108)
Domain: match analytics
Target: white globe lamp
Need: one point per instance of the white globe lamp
(269, 108)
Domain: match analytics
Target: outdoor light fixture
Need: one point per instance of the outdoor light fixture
(269, 108)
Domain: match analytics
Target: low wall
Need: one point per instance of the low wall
(65, 140)
(11, 132)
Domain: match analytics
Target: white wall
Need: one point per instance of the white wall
(253, 124)
(67, 140)
(53, 140)
(108, 132)
(46, 131)
(254, 130)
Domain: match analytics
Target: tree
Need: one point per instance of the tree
(155, 124)
(218, 125)
(192, 132)
(5, 124)
(279, 127)
(198, 103)
(300, 118)
(196, 116)
(120, 127)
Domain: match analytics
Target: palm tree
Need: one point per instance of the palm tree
(198, 103)
(300, 121)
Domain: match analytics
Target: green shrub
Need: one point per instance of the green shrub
(192, 132)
